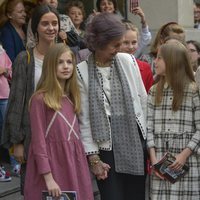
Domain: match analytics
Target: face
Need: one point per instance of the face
(48, 27)
(160, 66)
(107, 6)
(130, 42)
(76, 15)
(53, 3)
(65, 67)
(18, 14)
(194, 55)
(196, 13)
(110, 50)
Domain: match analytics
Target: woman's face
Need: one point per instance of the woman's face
(130, 42)
(53, 3)
(76, 16)
(194, 54)
(107, 6)
(110, 50)
(48, 27)
(160, 66)
(18, 15)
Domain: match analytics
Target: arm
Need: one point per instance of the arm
(13, 131)
(38, 143)
(145, 35)
(91, 147)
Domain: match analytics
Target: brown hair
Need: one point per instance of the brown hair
(78, 4)
(178, 72)
(165, 31)
(6, 8)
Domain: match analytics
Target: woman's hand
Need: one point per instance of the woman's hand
(19, 153)
(52, 186)
(63, 35)
(100, 170)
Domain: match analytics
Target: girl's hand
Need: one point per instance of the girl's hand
(181, 159)
(52, 186)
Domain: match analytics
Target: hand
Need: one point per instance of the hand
(52, 187)
(138, 11)
(100, 170)
(95, 12)
(62, 35)
(19, 153)
(2, 70)
(181, 159)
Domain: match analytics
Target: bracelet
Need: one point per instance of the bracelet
(94, 161)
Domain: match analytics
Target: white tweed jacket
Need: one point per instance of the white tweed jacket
(138, 93)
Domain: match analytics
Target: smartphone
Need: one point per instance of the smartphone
(133, 4)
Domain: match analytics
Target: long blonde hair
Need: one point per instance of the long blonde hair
(178, 73)
(49, 84)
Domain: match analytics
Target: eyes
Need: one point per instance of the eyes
(47, 23)
(60, 61)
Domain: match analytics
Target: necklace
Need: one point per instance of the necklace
(101, 64)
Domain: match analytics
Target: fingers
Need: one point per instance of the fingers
(176, 165)
(56, 192)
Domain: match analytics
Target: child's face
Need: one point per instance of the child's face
(65, 67)
(160, 66)
(107, 6)
(130, 42)
(76, 16)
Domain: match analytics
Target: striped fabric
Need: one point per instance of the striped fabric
(175, 131)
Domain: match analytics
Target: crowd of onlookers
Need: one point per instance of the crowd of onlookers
(96, 67)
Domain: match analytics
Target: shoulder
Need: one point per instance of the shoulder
(192, 87)
(37, 98)
(143, 65)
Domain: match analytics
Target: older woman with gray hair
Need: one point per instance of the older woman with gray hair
(112, 119)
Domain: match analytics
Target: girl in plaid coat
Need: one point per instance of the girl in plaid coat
(174, 123)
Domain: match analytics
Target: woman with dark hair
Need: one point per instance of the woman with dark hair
(12, 31)
(26, 73)
(112, 117)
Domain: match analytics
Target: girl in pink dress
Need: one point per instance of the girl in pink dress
(56, 160)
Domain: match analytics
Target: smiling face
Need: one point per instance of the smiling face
(53, 3)
(48, 27)
(130, 42)
(76, 16)
(110, 50)
(18, 15)
(160, 66)
(107, 6)
(65, 67)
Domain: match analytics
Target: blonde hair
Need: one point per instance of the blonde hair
(131, 27)
(49, 84)
(178, 72)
